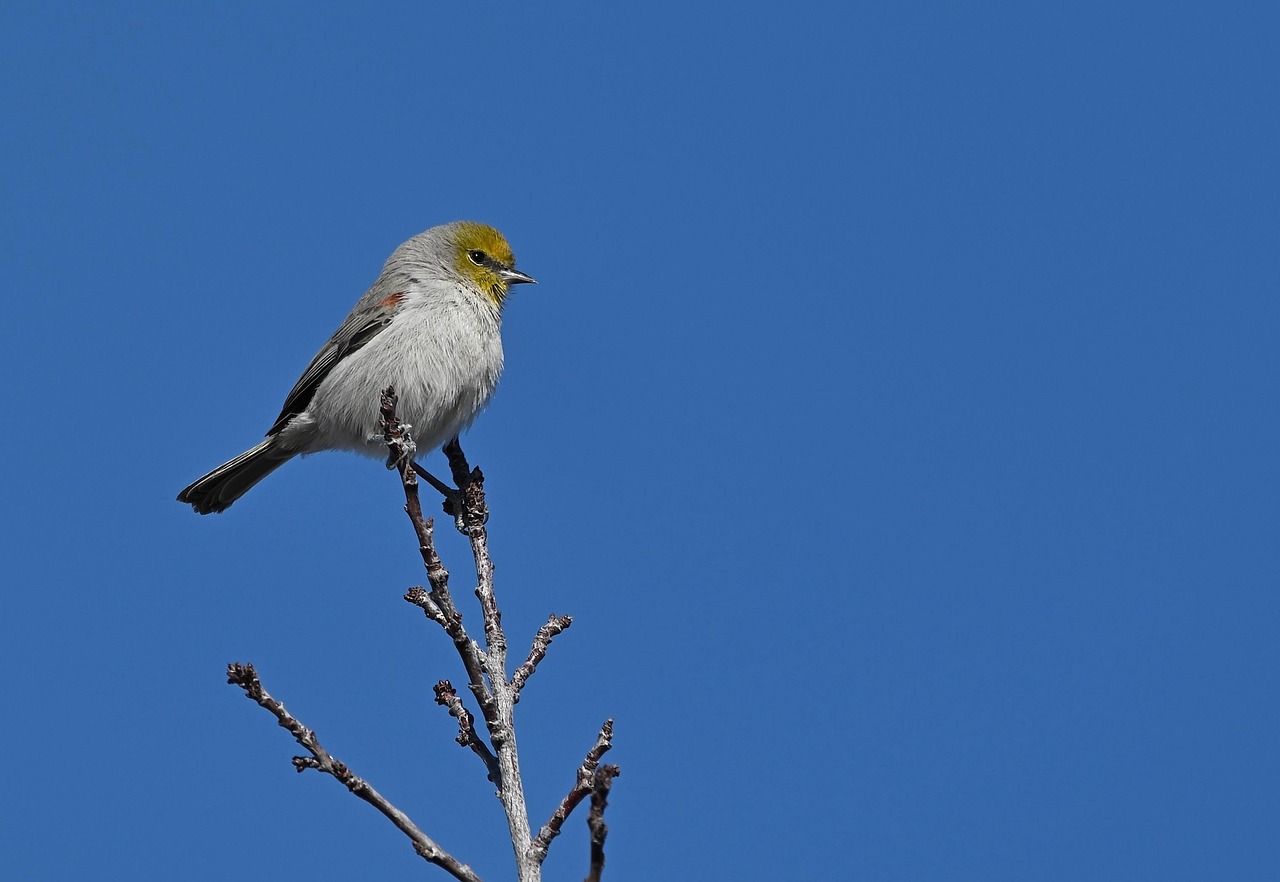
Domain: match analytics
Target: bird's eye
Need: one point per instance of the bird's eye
(477, 256)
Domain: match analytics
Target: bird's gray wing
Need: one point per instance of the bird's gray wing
(359, 328)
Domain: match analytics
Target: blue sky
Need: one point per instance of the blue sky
(896, 415)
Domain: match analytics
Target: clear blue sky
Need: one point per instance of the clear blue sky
(896, 415)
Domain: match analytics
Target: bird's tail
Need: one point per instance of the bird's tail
(231, 480)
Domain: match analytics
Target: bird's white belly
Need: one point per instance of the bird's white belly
(444, 362)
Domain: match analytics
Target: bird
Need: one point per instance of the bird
(430, 326)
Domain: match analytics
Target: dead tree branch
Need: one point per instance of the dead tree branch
(321, 760)
(581, 787)
(448, 696)
(486, 669)
(541, 643)
(595, 818)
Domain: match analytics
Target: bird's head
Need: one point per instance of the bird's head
(483, 257)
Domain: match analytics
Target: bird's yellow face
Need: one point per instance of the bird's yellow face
(484, 257)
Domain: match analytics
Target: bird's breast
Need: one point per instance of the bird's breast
(444, 357)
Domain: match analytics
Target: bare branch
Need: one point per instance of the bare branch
(582, 786)
(541, 642)
(419, 597)
(487, 670)
(595, 818)
(499, 717)
(468, 650)
(320, 759)
(448, 696)
(438, 603)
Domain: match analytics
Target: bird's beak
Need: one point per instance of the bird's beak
(515, 277)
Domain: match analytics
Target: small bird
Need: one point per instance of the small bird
(430, 326)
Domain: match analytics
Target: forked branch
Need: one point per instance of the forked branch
(486, 670)
(581, 787)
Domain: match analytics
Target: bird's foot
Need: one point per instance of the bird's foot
(455, 500)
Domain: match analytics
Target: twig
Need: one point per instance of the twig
(581, 787)
(447, 696)
(541, 642)
(472, 656)
(595, 818)
(320, 759)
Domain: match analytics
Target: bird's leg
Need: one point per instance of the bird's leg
(457, 462)
(397, 455)
(394, 433)
(401, 450)
(470, 498)
(452, 498)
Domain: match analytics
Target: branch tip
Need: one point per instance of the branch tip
(601, 781)
(541, 643)
(585, 783)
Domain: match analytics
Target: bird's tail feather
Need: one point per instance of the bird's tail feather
(231, 480)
